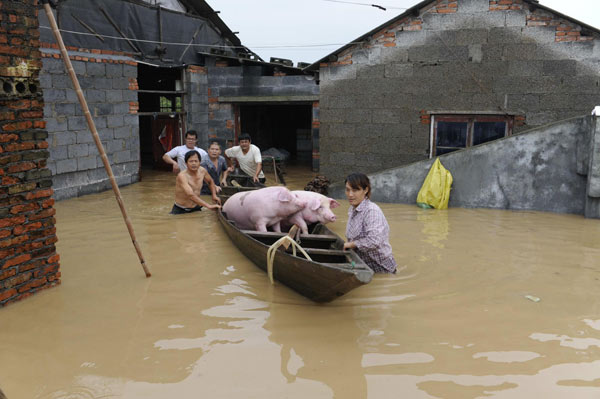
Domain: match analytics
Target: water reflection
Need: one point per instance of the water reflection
(454, 321)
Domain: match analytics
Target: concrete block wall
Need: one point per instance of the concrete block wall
(456, 56)
(550, 168)
(196, 81)
(109, 84)
(227, 82)
(28, 259)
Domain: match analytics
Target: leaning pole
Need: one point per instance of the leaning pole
(92, 126)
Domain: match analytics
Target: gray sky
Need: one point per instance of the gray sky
(310, 29)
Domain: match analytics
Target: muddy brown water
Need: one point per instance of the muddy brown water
(454, 322)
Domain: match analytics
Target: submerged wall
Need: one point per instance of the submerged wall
(28, 258)
(452, 57)
(545, 169)
(109, 84)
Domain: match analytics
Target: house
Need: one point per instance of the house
(451, 74)
(155, 69)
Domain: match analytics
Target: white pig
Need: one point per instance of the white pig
(317, 210)
(259, 209)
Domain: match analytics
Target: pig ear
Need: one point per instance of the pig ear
(333, 203)
(314, 204)
(284, 196)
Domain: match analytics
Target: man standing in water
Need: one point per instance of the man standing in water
(175, 157)
(249, 158)
(188, 185)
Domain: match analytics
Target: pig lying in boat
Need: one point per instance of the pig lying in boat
(317, 210)
(259, 209)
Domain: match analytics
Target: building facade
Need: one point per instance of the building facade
(450, 74)
(147, 84)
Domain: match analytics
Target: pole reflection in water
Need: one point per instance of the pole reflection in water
(454, 322)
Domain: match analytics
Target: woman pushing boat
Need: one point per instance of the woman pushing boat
(367, 230)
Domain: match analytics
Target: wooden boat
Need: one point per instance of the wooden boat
(332, 272)
(243, 183)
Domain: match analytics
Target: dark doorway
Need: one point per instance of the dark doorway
(280, 126)
(161, 112)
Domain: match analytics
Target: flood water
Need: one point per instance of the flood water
(454, 322)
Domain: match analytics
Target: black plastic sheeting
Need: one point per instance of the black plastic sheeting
(136, 22)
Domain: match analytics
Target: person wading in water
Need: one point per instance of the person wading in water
(188, 186)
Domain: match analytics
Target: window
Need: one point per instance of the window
(454, 132)
(170, 104)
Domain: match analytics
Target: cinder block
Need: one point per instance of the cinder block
(51, 165)
(77, 122)
(130, 120)
(384, 116)
(114, 121)
(370, 71)
(129, 71)
(101, 109)
(62, 82)
(66, 166)
(77, 150)
(95, 69)
(516, 18)
(65, 138)
(84, 137)
(115, 96)
(120, 83)
(560, 67)
(53, 65)
(55, 95)
(55, 124)
(106, 134)
(121, 109)
(85, 163)
(58, 153)
(114, 146)
(45, 80)
(78, 67)
(114, 70)
(95, 96)
(129, 95)
(64, 109)
(122, 132)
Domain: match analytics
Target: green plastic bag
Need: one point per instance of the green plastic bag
(435, 191)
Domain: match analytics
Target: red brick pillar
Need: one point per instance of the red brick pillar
(28, 258)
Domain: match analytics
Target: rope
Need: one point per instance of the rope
(273, 250)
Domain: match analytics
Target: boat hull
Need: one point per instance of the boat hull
(318, 281)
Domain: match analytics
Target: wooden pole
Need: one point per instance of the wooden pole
(92, 127)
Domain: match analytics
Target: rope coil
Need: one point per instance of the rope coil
(273, 250)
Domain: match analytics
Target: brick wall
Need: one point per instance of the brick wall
(109, 83)
(28, 258)
(453, 56)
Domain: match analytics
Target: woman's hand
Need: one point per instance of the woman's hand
(349, 245)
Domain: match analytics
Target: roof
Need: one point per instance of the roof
(414, 11)
(201, 8)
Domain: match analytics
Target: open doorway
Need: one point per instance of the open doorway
(281, 126)
(161, 113)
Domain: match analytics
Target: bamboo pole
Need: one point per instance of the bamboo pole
(92, 126)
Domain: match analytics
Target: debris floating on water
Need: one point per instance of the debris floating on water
(533, 298)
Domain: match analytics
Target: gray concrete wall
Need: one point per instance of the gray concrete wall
(376, 98)
(545, 169)
(196, 81)
(76, 167)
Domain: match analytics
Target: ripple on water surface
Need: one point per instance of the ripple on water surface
(454, 322)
